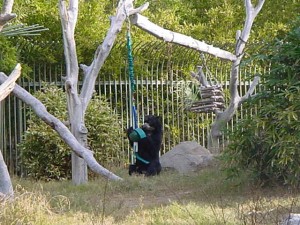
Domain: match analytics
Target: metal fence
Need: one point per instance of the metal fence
(163, 85)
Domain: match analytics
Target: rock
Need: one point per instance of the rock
(187, 157)
(292, 219)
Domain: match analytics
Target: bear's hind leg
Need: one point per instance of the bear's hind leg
(132, 169)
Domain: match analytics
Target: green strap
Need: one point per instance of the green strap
(140, 158)
(140, 132)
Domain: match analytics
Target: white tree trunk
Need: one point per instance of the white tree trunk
(241, 39)
(68, 20)
(77, 103)
(235, 100)
(6, 189)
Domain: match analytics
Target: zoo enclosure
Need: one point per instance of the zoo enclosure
(163, 84)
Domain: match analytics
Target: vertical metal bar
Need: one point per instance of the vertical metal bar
(114, 94)
(128, 108)
(62, 73)
(9, 155)
(39, 79)
(142, 93)
(5, 135)
(19, 133)
(45, 72)
(202, 139)
(168, 103)
(55, 74)
(177, 104)
(159, 70)
(147, 88)
(137, 97)
(174, 83)
(98, 87)
(152, 89)
(13, 159)
(182, 112)
(120, 111)
(50, 73)
(110, 91)
(2, 118)
(163, 101)
(104, 87)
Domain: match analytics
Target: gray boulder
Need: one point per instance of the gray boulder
(187, 157)
(292, 219)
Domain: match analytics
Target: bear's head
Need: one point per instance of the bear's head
(152, 124)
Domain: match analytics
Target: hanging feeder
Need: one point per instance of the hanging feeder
(212, 98)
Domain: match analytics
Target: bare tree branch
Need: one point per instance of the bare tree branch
(251, 89)
(68, 24)
(7, 6)
(200, 76)
(259, 6)
(61, 129)
(140, 9)
(251, 13)
(177, 38)
(6, 14)
(9, 84)
(248, 4)
(125, 8)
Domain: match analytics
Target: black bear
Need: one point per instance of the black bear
(149, 143)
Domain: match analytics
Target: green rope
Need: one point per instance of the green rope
(130, 63)
(132, 90)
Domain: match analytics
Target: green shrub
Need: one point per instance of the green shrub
(45, 156)
(268, 143)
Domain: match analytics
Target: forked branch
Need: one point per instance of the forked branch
(125, 9)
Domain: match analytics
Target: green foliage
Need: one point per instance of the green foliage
(47, 157)
(268, 143)
(48, 46)
(105, 132)
(221, 19)
(212, 21)
(8, 55)
(93, 21)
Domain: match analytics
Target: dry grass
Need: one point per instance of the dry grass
(202, 198)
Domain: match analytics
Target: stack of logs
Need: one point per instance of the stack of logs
(212, 99)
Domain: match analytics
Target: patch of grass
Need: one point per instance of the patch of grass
(206, 197)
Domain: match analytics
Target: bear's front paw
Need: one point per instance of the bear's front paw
(129, 130)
